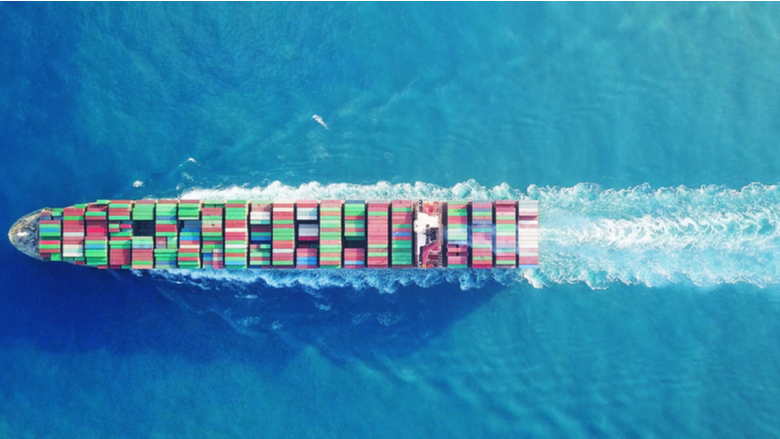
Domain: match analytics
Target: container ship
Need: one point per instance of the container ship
(301, 234)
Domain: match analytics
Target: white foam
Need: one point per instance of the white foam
(384, 280)
(319, 120)
(469, 190)
(708, 236)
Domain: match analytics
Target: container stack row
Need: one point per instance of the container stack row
(50, 234)
(457, 234)
(96, 241)
(506, 234)
(528, 233)
(283, 235)
(73, 226)
(260, 239)
(355, 234)
(355, 220)
(401, 241)
(190, 234)
(236, 234)
(307, 217)
(166, 234)
(143, 245)
(330, 233)
(212, 233)
(378, 234)
(482, 234)
(120, 234)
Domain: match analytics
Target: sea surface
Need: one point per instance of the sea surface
(649, 132)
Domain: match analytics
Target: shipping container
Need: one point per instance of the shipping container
(378, 234)
(213, 234)
(528, 233)
(120, 231)
(330, 233)
(482, 234)
(506, 234)
(457, 237)
(401, 250)
(50, 234)
(260, 240)
(236, 234)
(283, 234)
(189, 256)
(307, 244)
(96, 238)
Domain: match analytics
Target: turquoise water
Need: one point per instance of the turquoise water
(648, 132)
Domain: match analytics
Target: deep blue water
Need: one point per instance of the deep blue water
(649, 132)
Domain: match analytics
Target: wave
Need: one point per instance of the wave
(707, 236)
(386, 280)
(469, 190)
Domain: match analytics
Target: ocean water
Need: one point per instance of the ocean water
(649, 133)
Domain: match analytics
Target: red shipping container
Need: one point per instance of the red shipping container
(462, 259)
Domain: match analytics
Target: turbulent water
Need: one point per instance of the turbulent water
(648, 132)
(708, 236)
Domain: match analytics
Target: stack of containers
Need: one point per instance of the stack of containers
(73, 234)
(260, 222)
(189, 237)
(143, 210)
(355, 220)
(308, 233)
(143, 252)
(143, 246)
(482, 234)
(528, 233)
(212, 233)
(506, 234)
(120, 230)
(330, 233)
(236, 234)
(457, 234)
(96, 242)
(355, 233)
(354, 257)
(50, 234)
(378, 227)
(283, 234)
(402, 234)
(166, 234)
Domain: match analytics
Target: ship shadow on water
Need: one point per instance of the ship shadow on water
(343, 323)
(65, 309)
(61, 308)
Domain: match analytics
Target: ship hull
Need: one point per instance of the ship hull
(301, 234)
